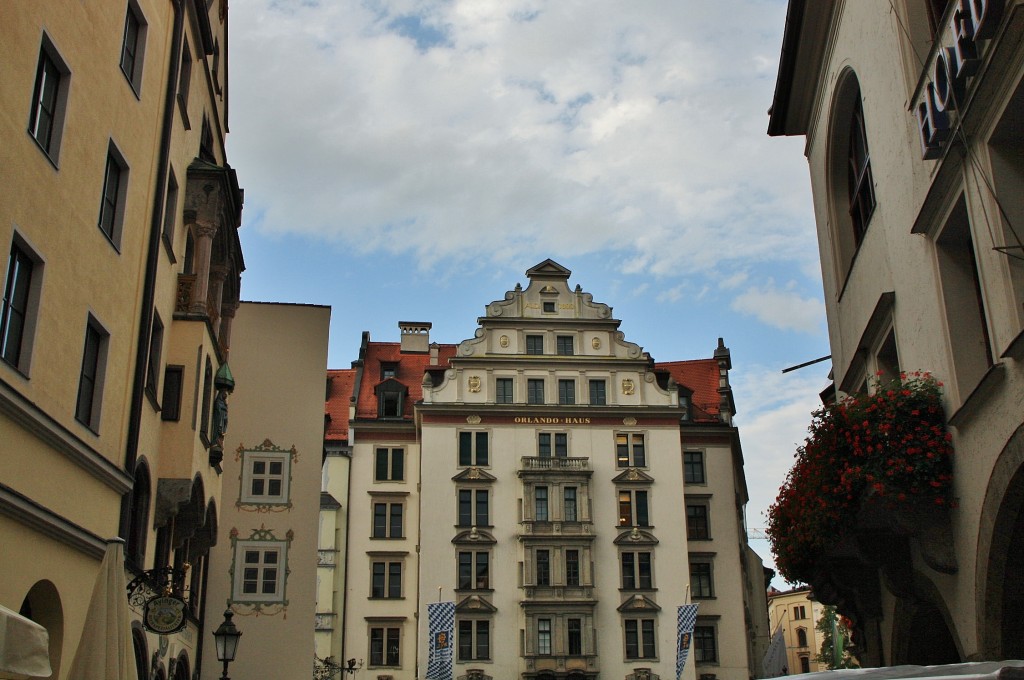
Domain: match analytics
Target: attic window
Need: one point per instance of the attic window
(388, 370)
(390, 398)
(549, 307)
(684, 405)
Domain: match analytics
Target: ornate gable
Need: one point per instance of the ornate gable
(474, 474)
(635, 536)
(474, 604)
(638, 603)
(475, 536)
(633, 476)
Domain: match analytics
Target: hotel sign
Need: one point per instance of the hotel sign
(549, 420)
(952, 64)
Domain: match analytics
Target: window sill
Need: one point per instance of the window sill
(970, 406)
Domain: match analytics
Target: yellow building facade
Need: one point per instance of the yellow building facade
(118, 221)
(797, 615)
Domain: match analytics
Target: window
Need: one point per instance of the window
(572, 567)
(265, 477)
(385, 645)
(473, 449)
(563, 345)
(474, 570)
(386, 580)
(693, 467)
(543, 573)
(561, 444)
(799, 612)
(540, 503)
(388, 370)
(503, 391)
(17, 318)
(138, 523)
(801, 637)
(204, 422)
(566, 391)
(156, 341)
(535, 391)
(705, 648)
(570, 508)
(49, 100)
(636, 571)
(90, 383)
(473, 508)
(389, 465)
(170, 214)
(260, 577)
(474, 640)
(701, 583)
(115, 183)
(549, 307)
(206, 142)
(390, 398)
(962, 296)
(170, 404)
(598, 390)
(861, 188)
(685, 402)
(574, 634)
(184, 80)
(633, 509)
(630, 450)
(544, 637)
(640, 639)
(133, 45)
(697, 522)
(535, 344)
(388, 520)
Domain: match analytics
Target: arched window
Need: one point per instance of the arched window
(851, 188)
(861, 190)
(138, 520)
(141, 653)
(801, 637)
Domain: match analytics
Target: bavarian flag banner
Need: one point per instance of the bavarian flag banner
(440, 622)
(686, 619)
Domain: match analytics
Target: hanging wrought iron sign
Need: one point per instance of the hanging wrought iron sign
(164, 615)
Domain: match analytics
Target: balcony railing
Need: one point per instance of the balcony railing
(555, 464)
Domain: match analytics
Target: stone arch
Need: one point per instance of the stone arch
(923, 631)
(1000, 579)
(42, 604)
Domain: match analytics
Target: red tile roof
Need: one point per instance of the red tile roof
(701, 376)
(410, 370)
(340, 383)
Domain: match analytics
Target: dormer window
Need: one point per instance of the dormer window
(549, 307)
(388, 370)
(390, 398)
(685, 402)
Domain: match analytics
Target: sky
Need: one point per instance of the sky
(411, 159)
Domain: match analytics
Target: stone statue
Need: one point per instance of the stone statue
(220, 418)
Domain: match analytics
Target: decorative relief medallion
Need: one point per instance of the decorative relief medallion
(474, 383)
(596, 343)
(627, 386)
(473, 420)
(630, 421)
(503, 341)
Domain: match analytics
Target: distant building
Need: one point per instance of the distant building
(557, 484)
(118, 223)
(797, 615)
(264, 565)
(912, 113)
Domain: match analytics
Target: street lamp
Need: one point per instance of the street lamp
(226, 636)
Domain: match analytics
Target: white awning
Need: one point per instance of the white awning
(24, 647)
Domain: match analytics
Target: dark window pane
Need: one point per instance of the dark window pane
(482, 515)
(397, 464)
(481, 448)
(465, 448)
(465, 508)
(381, 468)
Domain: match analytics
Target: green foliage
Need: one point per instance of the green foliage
(827, 653)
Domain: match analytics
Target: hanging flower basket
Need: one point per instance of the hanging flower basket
(890, 446)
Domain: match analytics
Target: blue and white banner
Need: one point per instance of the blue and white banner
(686, 619)
(440, 623)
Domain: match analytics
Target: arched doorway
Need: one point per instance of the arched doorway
(928, 640)
(42, 605)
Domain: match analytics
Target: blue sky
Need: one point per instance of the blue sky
(410, 159)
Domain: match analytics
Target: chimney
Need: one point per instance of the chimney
(415, 336)
(433, 353)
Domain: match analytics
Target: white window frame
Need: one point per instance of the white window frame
(280, 548)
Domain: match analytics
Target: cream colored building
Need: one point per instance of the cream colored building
(797, 614)
(912, 114)
(558, 485)
(118, 220)
(264, 567)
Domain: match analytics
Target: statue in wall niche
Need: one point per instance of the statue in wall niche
(220, 419)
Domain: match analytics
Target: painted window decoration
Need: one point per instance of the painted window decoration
(259, 571)
(266, 474)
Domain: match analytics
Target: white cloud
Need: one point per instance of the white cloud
(509, 127)
(785, 309)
